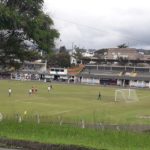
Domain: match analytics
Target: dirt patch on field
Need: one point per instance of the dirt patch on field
(28, 145)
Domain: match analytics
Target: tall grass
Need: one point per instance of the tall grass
(55, 134)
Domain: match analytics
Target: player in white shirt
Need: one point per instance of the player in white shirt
(30, 92)
(49, 88)
(9, 91)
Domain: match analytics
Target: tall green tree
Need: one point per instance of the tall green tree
(20, 21)
(62, 49)
(60, 59)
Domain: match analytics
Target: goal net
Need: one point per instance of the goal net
(127, 95)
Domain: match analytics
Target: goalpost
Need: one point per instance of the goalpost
(127, 95)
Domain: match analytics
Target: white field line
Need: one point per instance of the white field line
(140, 97)
(39, 103)
(62, 112)
(33, 98)
(47, 104)
(54, 105)
(38, 98)
(66, 111)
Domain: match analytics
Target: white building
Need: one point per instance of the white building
(88, 54)
(73, 60)
(58, 73)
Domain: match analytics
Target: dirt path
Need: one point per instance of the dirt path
(28, 145)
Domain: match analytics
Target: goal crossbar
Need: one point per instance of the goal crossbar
(127, 95)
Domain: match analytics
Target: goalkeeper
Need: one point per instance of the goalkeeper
(99, 96)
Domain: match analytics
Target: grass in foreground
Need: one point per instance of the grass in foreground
(91, 138)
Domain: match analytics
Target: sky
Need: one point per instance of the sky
(96, 24)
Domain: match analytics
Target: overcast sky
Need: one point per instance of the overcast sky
(101, 23)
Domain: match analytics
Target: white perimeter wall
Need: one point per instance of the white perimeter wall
(90, 81)
(141, 84)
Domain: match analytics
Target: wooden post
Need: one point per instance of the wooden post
(1, 117)
(101, 126)
(118, 128)
(19, 119)
(38, 118)
(82, 124)
(60, 120)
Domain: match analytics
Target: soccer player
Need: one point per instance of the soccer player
(99, 96)
(49, 88)
(9, 91)
(35, 90)
(30, 92)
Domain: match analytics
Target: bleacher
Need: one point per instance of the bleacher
(116, 71)
(33, 67)
(100, 72)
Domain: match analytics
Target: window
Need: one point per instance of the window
(57, 70)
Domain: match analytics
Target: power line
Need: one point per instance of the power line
(102, 31)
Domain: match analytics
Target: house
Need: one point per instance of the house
(88, 53)
(73, 73)
(124, 53)
(73, 59)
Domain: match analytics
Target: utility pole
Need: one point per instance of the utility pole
(72, 45)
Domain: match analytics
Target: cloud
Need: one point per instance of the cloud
(100, 24)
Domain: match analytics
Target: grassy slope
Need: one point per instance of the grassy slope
(48, 133)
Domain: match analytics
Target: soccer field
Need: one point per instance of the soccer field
(72, 103)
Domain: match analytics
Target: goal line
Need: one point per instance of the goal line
(127, 95)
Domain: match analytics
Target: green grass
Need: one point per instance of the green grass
(72, 103)
(49, 133)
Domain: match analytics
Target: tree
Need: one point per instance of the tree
(20, 21)
(61, 59)
(12, 50)
(62, 49)
(122, 45)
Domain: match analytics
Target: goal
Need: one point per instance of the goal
(127, 95)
